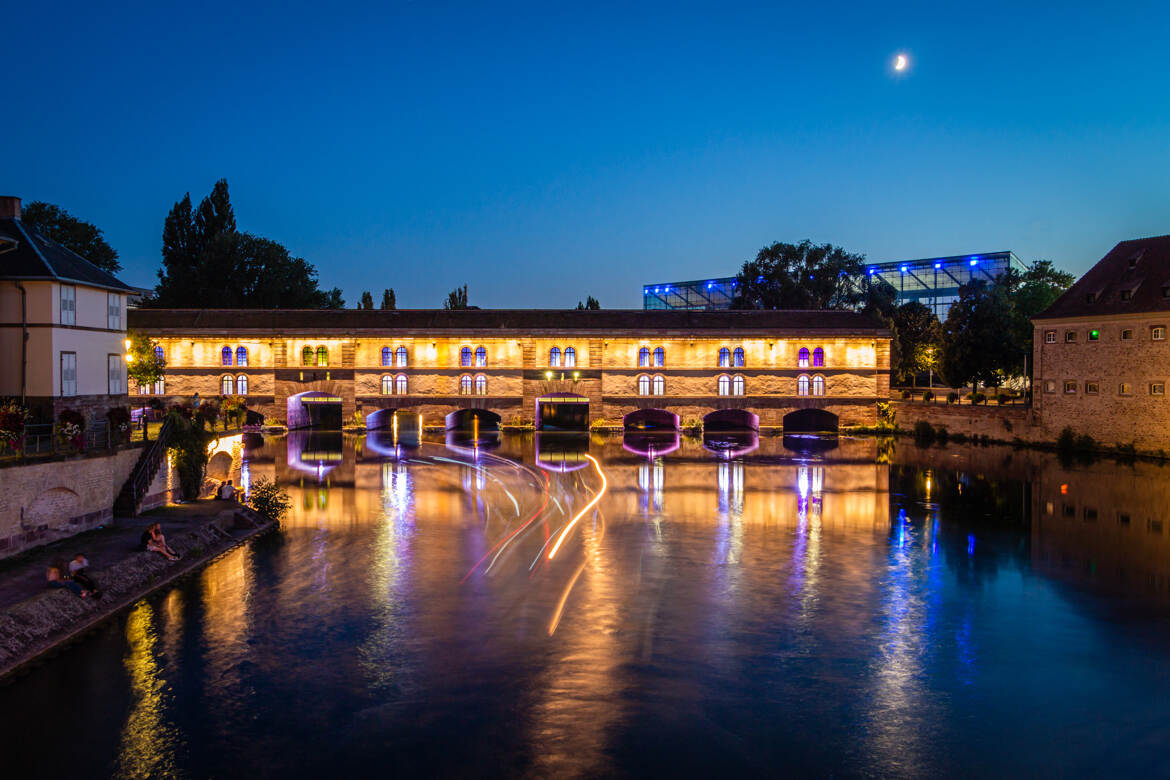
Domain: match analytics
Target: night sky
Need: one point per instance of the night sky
(540, 153)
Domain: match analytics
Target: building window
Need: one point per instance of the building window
(643, 385)
(570, 357)
(659, 359)
(724, 379)
(554, 357)
(400, 357)
(802, 358)
(1125, 388)
(227, 385)
(307, 356)
(644, 357)
(159, 387)
(465, 357)
(659, 384)
(160, 356)
(322, 356)
(1094, 335)
(802, 385)
(724, 359)
(737, 357)
(818, 385)
(1127, 334)
(68, 304)
(387, 356)
(1158, 332)
(1049, 337)
(1092, 388)
(737, 385)
(481, 385)
(400, 384)
(818, 358)
(68, 373)
(1157, 388)
(241, 385)
(113, 311)
(114, 370)
(387, 385)
(241, 357)
(1070, 387)
(225, 356)
(465, 385)
(1049, 386)
(480, 357)
(1070, 336)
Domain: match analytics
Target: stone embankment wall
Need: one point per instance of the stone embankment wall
(43, 502)
(54, 617)
(1005, 423)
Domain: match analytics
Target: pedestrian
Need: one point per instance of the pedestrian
(79, 573)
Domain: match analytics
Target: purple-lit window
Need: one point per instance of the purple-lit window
(386, 356)
(480, 357)
(737, 357)
(724, 359)
(465, 357)
(241, 357)
(818, 358)
(554, 357)
(225, 356)
(644, 357)
(802, 358)
(659, 359)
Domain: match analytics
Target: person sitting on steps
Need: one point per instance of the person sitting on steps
(227, 491)
(79, 573)
(154, 541)
(53, 575)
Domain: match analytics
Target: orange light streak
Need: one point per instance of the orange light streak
(604, 484)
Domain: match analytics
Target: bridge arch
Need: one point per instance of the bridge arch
(465, 420)
(731, 420)
(811, 421)
(650, 420)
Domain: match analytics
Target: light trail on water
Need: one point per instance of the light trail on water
(592, 503)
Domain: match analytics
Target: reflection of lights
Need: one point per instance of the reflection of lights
(592, 503)
(802, 481)
(970, 544)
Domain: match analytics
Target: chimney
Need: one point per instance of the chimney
(9, 207)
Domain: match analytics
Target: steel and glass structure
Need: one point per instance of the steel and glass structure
(931, 281)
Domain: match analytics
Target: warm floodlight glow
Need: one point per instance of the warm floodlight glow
(901, 62)
(127, 343)
(129, 358)
(592, 503)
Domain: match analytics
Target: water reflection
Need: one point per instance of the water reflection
(149, 740)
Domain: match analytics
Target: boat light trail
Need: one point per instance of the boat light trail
(510, 536)
(604, 484)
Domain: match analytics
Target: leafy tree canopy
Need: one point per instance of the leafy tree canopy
(456, 299)
(918, 340)
(974, 333)
(590, 304)
(78, 235)
(388, 301)
(367, 300)
(143, 364)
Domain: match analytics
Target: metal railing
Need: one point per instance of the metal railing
(44, 440)
(144, 471)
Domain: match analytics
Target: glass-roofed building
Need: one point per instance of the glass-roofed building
(931, 281)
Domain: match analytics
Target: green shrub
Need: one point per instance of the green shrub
(906, 395)
(188, 446)
(266, 497)
(942, 434)
(1003, 398)
(923, 432)
(927, 396)
(978, 398)
(952, 397)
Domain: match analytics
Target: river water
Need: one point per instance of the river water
(560, 606)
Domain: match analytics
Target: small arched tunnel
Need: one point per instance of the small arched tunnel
(391, 419)
(731, 420)
(465, 420)
(811, 421)
(314, 409)
(650, 420)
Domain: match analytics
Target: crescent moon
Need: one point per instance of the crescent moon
(900, 62)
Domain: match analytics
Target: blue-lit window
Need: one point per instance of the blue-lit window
(802, 358)
(570, 357)
(737, 357)
(400, 357)
(465, 357)
(659, 359)
(159, 357)
(225, 356)
(241, 385)
(241, 356)
(644, 357)
(387, 356)
(465, 385)
(480, 357)
(818, 358)
(802, 385)
(554, 357)
(724, 359)
(818, 385)
(643, 385)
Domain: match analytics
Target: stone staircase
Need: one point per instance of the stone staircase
(129, 500)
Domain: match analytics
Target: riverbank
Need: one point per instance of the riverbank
(36, 621)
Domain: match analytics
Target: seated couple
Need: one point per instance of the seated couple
(153, 541)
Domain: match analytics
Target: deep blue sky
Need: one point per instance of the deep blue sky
(541, 153)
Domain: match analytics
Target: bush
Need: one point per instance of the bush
(905, 395)
(188, 444)
(952, 397)
(1086, 443)
(1067, 440)
(927, 396)
(942, 434)
(119, 419)
(1003, 398)
(978, 398)
(923, 432)
(266, 497)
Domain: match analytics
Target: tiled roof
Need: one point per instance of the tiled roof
(1133, 278)
(315, 321)
(37, 258)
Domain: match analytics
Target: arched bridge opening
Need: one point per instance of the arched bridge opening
(473, 419)
(811, 421)
(731, 420)
(650, 420)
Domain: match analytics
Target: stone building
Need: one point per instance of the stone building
(828, 366)
(1101, 356)
(62, 324)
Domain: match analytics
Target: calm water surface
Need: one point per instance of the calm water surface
(746, 607)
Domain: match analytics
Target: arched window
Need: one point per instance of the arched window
(724, 358)
(465, 357)
(241, 357)
(659, 386)
(225, 356)
(159, 387)
(802, 385)
(725, 382)
(386, 356)
(307, 356)
(644, 357)
(570, 357)
(818, 385)
(465, 384)
(322, 356)
(643, 385)
(818, 358)
(481, 385)
(387, 385)
(400, 357)
(737, 357)
(737, 385)
(143, 389)
(480, 357)
(159, 356)
(400, 384)
(659, 357)
(227, 385)
(241, 385)
(554, 357)
(802, 357)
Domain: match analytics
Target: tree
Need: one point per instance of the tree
(802, 276)
(456, 299)
(143, 363)
(388, 301)
(1030, 293)
(590, 304)
(973, 335)
(75, 234)
(367, 301)
(919, 340)
(207, 261)
(333, 299)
